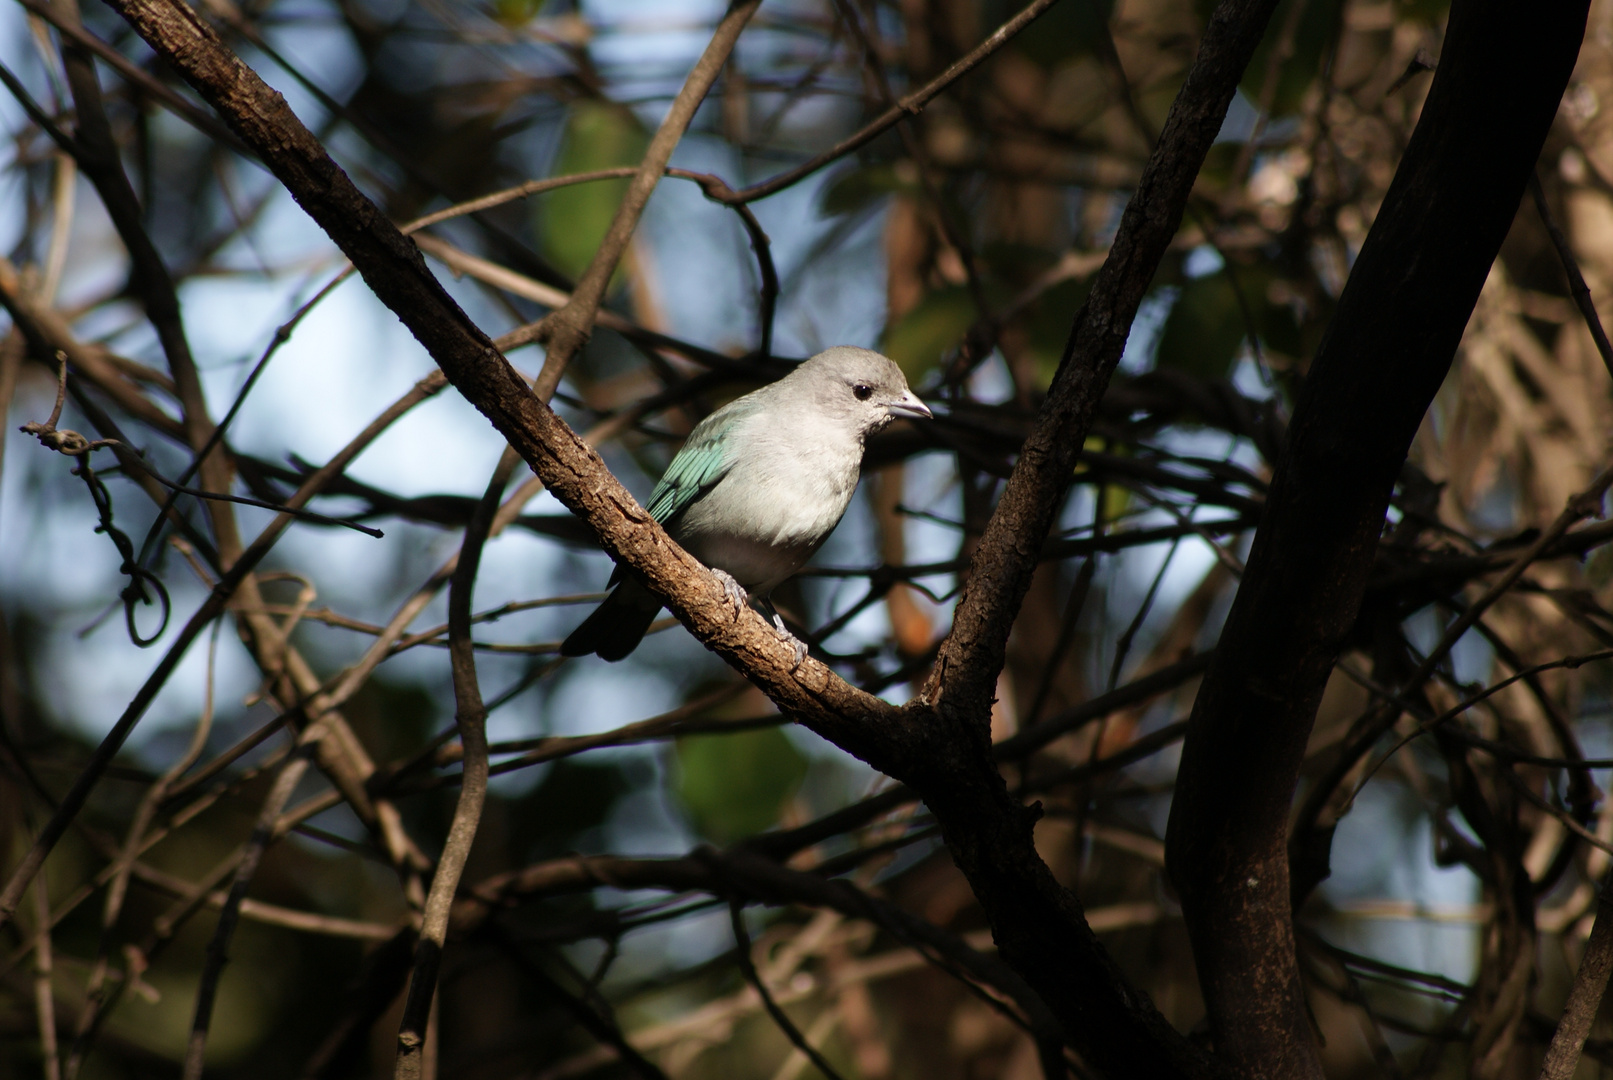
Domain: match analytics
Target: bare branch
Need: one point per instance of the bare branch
(1580, 291)
(1385, 353)
(472, 719)
(747, 967)
(44, 983)
(565, 331)
(263, 833)
(210, 609)
(908, 105)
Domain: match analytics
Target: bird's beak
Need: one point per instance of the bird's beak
(909, 405)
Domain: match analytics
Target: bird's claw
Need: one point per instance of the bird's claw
(733, 590)
(796, 643)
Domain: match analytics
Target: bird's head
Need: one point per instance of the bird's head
(859, 387)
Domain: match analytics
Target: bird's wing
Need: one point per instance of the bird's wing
(704, 460)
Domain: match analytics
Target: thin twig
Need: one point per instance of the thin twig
(1561, 815)
(909, 105)
(282, 334)
(73, 801)
(1123, 644)
(1579, 506)
(472, 717)
(218, 948)
(246, 500)
(138, 957)
(44, 983)
(599, 1024)
(192, 114)
(715, 189)
(954, 238)
(747, 967)
(1073, 606)
(96, 151)
(134, 843)
(564, 332)
(1576, 280)
(1282, 48)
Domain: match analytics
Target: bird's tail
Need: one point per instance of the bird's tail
(617, 625)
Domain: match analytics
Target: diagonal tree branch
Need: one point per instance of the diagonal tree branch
(965, 676)
(1585, 997)
(1039, 925)
(216, 603)
(96, 152)
(392, 266)
(1384, 356)
(563, 332)
(263, 833)
(909, 105)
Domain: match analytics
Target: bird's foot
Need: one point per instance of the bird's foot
(795, 642)
(733, 590)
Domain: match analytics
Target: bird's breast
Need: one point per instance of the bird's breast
(768, 515)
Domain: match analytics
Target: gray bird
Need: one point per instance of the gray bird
(759, 486)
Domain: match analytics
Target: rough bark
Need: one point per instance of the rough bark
(1399, 320)
(939, 745)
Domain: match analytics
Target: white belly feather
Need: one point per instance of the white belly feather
(763, 521)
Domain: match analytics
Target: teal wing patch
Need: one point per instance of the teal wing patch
(704, 460)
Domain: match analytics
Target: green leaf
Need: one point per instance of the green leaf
(394, 718)
(1207, 326)
(1280, 328)
(1064, 31)
(918, 340)
(1204, 329)
(1599, 568)
(516, 12)
(1049, 322)
(573, 220)
(853, 189)
(1218, 163)
(1117, 500)
(736, 785)
(1300, 68)
(1210, 322)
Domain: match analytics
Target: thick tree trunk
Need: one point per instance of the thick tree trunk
(1503, 70)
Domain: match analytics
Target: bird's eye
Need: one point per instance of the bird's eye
(863, 391)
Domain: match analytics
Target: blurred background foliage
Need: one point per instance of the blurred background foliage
(962, 244)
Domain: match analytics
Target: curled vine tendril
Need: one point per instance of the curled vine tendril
(142, 582)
